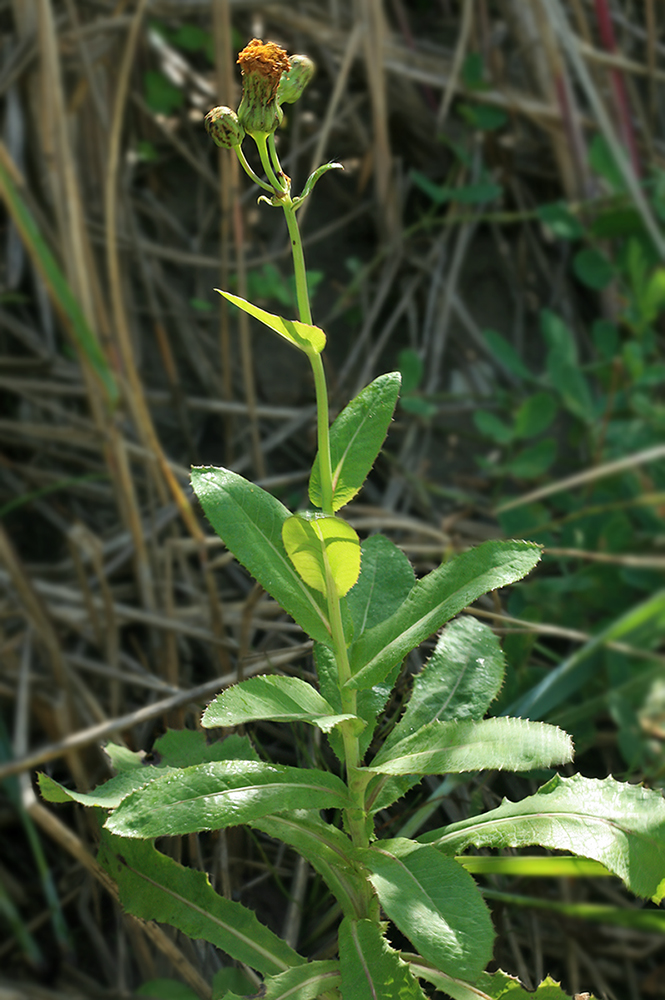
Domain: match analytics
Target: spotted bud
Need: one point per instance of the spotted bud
(295, 79)
(223, 126)
(262, 65)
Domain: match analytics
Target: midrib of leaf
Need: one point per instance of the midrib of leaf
(340, 465)
(369, 598)
(440, 978)
(228, 928)
(290, 785)
(479, 744)
(587, 819)
(315, 835)
(411, 876)
(363, 961)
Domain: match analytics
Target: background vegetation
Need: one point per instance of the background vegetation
(496, 235)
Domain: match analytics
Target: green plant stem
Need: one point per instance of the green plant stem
(250, 173)
(305, 316)
(278, 180)
(356, 816)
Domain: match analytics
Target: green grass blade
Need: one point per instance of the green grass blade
(61, 294)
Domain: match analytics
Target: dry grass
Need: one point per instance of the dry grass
(119, 612)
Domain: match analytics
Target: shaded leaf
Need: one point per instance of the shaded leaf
(433, 600)
(489, 986)
(155, 887)
(506, 354)
(356, 438)
(593, 268)
(558, 217)
(327, 849)
(438, 907)
(535, 415)
(371, 969)
(304, 982)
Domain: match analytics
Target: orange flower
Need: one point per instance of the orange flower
(262, 65)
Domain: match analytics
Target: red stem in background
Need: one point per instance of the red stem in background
(608, 41)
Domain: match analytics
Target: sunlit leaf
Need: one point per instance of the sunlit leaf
(320, 546)
(304, 336)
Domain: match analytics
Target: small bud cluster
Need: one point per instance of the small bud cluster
(269, 79)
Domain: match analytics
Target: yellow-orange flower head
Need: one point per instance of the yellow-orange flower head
(262, 65)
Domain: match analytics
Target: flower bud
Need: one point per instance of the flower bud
(223, 125)
(295, 79)
(262, 65)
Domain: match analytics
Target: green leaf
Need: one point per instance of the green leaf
(369, 702)
(460, 680)
(489, 986)
(506, 354)
(231, 979)
(190, 37)
(433, 600)
(249, 521)
(280, 699)
(155, 887)
(560, 220)
(225, 793)
(184, 747)
(304, 336)
(172, 751)
(654, 296)
(563, 367)
(480, 193)
(166, 989)
(370, 968)
(493, 427)
(559, 337)
(532, 461)
(106, 796)
(535, 415)
(489, 744)
(418, 406)
(622, 826)
(411, 369)
(593, 268)
(319, 546)
(304, 982)
(313, 179)
(386, 578)
(356, 438)
(438, 907)
(483, 116)
(641, 625)
(473, 72)
(327, 849)
(161, 96)
(602, 162)
(619, 222)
